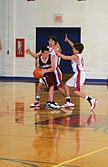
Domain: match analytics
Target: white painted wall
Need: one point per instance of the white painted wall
(19, 19)
(7, 67)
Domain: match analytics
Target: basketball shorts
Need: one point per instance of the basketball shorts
(76, 81)
(58, 75)
(49, 79)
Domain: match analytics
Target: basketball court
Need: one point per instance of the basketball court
(43, 137)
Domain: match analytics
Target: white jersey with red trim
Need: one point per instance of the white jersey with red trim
(78, 65)
(57, 59)
(57, 71)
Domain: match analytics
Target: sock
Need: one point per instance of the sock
(88, 98)
(37, 98)
(68, 99)
(48, 102)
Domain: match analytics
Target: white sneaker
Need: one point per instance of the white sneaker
(54, 105)
(93, 103)
(68, 104)
(35, 104)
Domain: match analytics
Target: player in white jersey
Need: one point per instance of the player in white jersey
(54, 45)
(78, 79)
(57, 71)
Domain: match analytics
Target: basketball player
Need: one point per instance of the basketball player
(47, 63)
(78, 79)
(53, 45)
(0, 45)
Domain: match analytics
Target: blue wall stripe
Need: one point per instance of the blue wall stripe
(32, 79)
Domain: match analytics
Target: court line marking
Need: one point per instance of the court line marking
(82, 156)
(18, 161)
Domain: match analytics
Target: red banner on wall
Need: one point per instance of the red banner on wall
(20, 47)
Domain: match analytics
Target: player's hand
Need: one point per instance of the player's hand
(40, 52)
(28, 51)
(43, 71)
(66, 37)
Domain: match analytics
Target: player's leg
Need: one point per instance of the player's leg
(52, 104)
(62, 90)
(38, 91)
(80, 79)
(68, 84)
(67, 89)
(51, 93)
(51, 83)
(78, 84)
(79, 93)
(58, 75)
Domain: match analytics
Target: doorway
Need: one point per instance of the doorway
(74, 34)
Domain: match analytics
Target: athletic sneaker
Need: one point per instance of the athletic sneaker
(54, 105)
(93, 103)
(35, 104)
(68, 104)
(48, 104)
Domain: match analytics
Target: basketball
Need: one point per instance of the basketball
(37, 73)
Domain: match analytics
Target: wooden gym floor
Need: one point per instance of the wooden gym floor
(52, 138)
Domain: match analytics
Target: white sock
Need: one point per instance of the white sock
(86, 97)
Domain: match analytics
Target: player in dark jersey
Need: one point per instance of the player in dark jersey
(53, 44)
(47, 63)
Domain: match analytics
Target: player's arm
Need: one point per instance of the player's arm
(58, 47)
(52, 64)
(37, 63)
(69, 41)
(28, 51)
(0, 45)
(73, 57)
